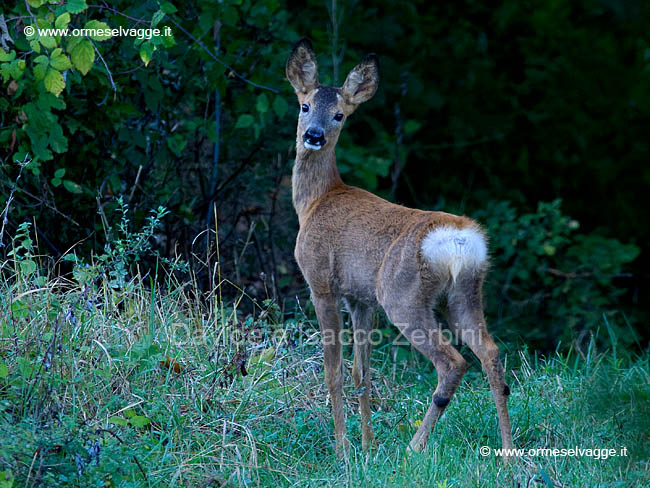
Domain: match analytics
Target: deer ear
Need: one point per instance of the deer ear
(302, 69)
(362, 82)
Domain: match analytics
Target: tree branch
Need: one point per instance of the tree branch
(209, 53)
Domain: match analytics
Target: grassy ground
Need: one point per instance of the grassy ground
(129, 388)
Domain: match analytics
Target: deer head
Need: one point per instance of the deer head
(323, 109)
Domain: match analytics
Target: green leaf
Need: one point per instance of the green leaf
(157, 17)
(35, 45)
(14, 69)
(58, 142)
(146, 52)
(280, 106)
(6, 479)
(62, 21)
(100, 29)
(54, 82)
(168, 41)
(26, 366)
(230, 16)
(47, 101)
(59, 173)
(39, 71)
(4, 371)
(117, 421)
(56, 182)
(168, 8)
(28, 266)
(49, 42)
(177, 143)
(262, 103)
(549, 249)
(5, 72)
(20, 310)
(72, 187)
(39, 147)
(7, 56)
(139, 421)
(411, 126)
(59, 61)
(71, 42)
(244, 120)
(83, 56)
(76, 6)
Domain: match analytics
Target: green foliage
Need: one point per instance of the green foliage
(123, 250)
(22, 253)
(134, 104)
(550, 284)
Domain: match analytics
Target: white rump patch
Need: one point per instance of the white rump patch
(455, 249)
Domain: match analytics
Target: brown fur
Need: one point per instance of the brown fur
(355, 246)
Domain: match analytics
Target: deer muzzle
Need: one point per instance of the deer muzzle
(314, 138)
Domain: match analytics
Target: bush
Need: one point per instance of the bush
(550, 284)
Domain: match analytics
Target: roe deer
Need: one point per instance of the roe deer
(369, 252)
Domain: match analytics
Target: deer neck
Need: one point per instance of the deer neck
(314, 174)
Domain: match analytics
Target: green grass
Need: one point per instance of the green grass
(88, 398)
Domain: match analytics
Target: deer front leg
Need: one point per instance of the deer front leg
(362, 325)
(329, 320)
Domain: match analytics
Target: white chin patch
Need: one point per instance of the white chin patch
(313, 147)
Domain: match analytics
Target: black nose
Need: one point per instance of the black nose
(315, 137)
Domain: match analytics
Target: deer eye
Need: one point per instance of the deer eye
(305, 108)
(338, 117)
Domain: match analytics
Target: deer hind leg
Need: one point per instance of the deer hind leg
(362, 324)
(418, 325)
(466, 319)
(329, 320)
